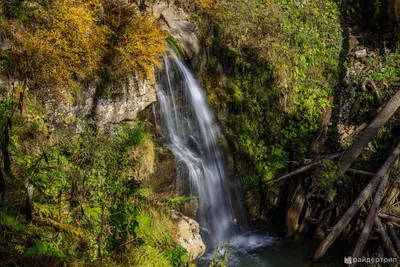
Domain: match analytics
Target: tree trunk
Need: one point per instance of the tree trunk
(73, 201)
(360, 200)
(3, 186)
(369, 222)
(386, 240)
(350, 156)
(4, 149)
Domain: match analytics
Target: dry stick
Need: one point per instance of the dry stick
(356, 205)
(389, 217)
(364, 173)
(394, 236)
(350, 156)
(301, 170)
(369, 222)
(386, 240)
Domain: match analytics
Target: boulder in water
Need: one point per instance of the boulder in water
(188, 235)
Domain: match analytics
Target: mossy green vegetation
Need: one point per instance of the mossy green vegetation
(70, 199)
(73, 194)
(280, 59)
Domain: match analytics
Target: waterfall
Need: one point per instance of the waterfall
(192, 134)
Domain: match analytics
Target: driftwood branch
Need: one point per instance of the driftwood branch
(391, 217)
(301, 170)
(385, 238)
(369, 222)
(356, 205)
(351, 155)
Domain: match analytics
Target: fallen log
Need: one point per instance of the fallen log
(294, 212)
(354, 151)
(301, 170)
(394, 236)
(369, 222)
(356, 205)
(386, 240)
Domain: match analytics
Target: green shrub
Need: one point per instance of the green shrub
(177, 256)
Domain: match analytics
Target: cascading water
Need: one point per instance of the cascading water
(193, 136)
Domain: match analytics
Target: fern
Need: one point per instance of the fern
(148, 256)
(155, 228)
(47, 210)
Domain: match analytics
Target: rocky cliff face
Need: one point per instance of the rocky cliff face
(177, 23)
(137, 94)
(132, 98)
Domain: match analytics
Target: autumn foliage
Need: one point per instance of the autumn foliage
(60, 43)
(137, 42)
(139, 48)
(64, 47)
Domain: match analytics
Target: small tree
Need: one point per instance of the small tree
(64, 46)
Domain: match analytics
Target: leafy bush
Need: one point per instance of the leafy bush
(139, 49)
(44, 249)
(136, 41)
(131, 137)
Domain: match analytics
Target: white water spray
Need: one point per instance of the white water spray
(192, 134)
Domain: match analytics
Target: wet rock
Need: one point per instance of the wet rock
(163, 180)
(178, 24)
(188, 235)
